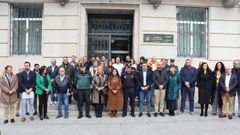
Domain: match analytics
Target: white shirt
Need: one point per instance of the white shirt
(53, 67)
(119, 67)
(227, 80)
(61, 78)
(144, 78)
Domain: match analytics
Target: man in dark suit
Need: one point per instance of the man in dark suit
(145, 81)
(228, 84)
(27, 81)
(160, 80)
(53, 72)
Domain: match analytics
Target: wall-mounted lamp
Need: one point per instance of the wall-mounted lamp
(63, 2)
(155, 3)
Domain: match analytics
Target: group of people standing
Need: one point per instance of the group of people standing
(115, 83)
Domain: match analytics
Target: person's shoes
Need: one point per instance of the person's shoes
(5, 121)
(51, 103)
(206, 114)
(27, 113)
(80, 116)
(222, 116)
(173, 114)
(230, 117)
(140, 114)
(66, 116)
(88, 116)
(191, 113)
(124, 114)
(17, 114)
(155, 114)
(55, 103)
(12, 121)
(201, 114)
(46, 117)
(233, 114)
(100, 115)
(58, 116)
(238, 115)
(31, 118)
(214, 114)
(41, 117)
(23, 120)
(181, 112)
(149, 114)
(35, 113)
(132, 114)
(161, 114)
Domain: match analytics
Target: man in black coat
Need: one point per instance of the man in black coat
(53, 72)
(145, 81)
(228, 84)
(27, 80)
(129, 80)
(160, 80)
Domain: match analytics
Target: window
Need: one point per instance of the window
(26, 29)
(192, 32)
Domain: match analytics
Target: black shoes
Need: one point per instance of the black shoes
(161, 114)
(140, 114)
(201, 114)
(12, 120)
(5, 121)
(155, 114)
(132, 114)
(46, 117)
(149, 114)
(88, 116)
(66, 116)
(124, 114)
(35, 113)
(41, 117)
(80, 116)
(58, 116)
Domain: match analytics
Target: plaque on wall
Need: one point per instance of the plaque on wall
(158, 38)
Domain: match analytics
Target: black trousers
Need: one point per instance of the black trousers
(83, 97)
(43, 101)
(98, 109)
(128, 93)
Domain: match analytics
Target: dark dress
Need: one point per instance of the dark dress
(204, 84)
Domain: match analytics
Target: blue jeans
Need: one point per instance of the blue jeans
(53, 98)
(190, 93)
(24, 107)
(62, 99)
(142, 95)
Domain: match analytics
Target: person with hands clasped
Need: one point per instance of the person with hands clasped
(43, 87)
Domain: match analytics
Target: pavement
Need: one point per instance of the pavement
(181, 124)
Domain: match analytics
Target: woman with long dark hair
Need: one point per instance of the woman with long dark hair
(115, 95)
(204, 84)
(216, 100)
(43, 88)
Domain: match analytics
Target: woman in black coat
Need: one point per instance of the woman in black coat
(216, 100)
(204, 84)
